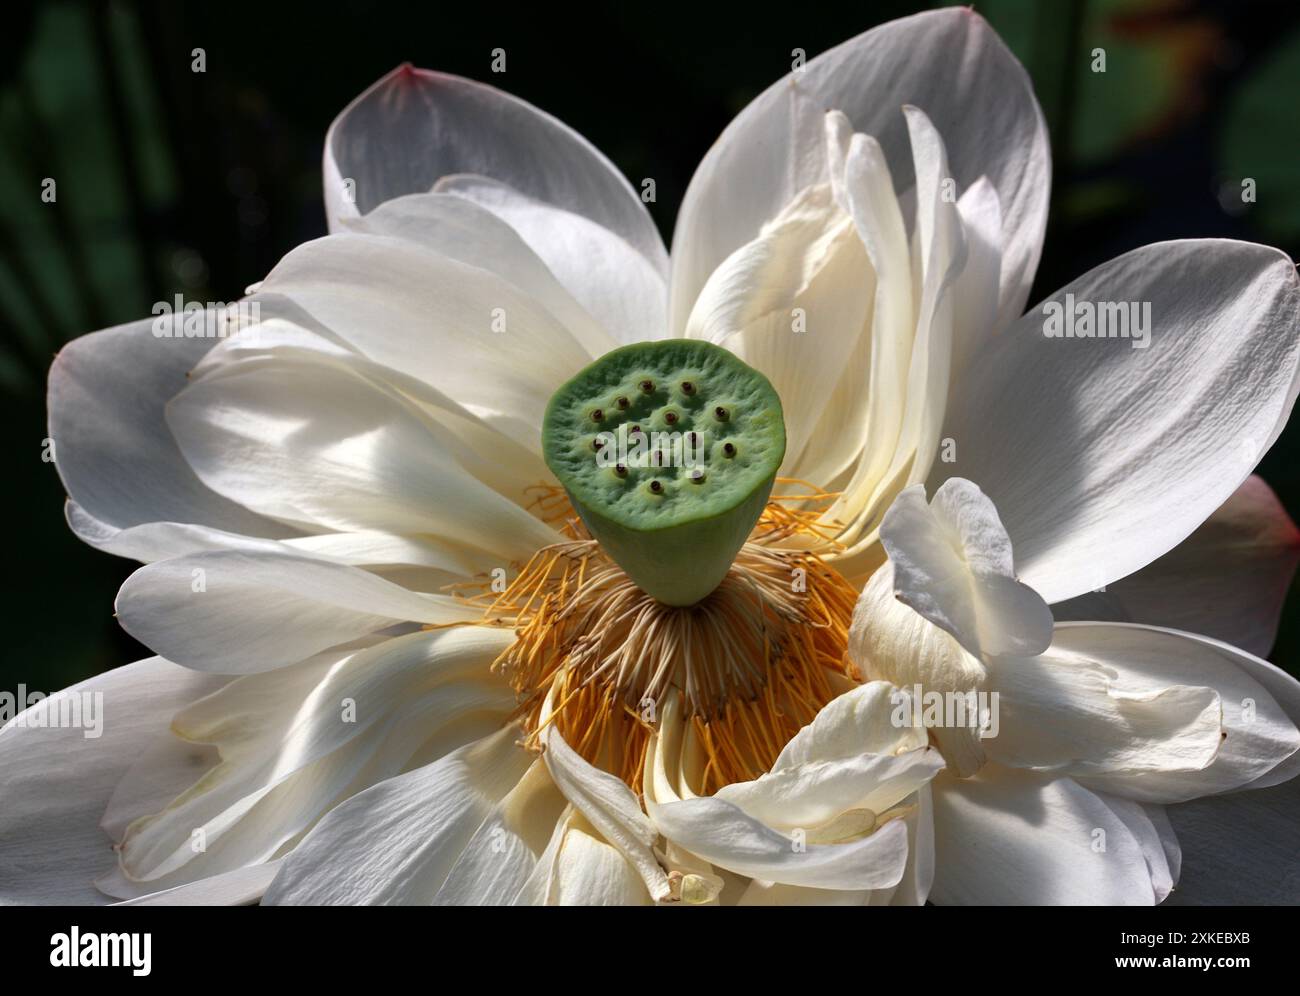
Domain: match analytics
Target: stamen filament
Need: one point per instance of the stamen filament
(753, 661)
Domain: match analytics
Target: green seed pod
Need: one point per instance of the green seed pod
(672, 503)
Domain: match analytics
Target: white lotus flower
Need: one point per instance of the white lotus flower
(318, 496)
(1099, 725)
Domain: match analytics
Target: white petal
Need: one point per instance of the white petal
(950, 64)
(319, 445)
(112, 448)
(295, 742)
(1227, 580)
(472, 233)
(1159, 817)
(1013, 838)
(432, 317)
(618, 286)
(374, 548)
(808, 258)
(589, 872)
(508, 464)
(1260, 743)
(814, 793)
(909, 440)
(975, 293)
(162, 771)
(539, 888)
(610, 807)
(891, 642)
(941, 247)
(665, 778)
(55, 782)
(415, 126)
(1101, 457)
(394, 843)
(256, 612)
(878, 219)
(1155, 836)
(503, 853)
(860, 721)
(918, 877)
(1075, 712)
(153, 541)
(953, 564)
(241, 887)
(726, 836)
(150, 541)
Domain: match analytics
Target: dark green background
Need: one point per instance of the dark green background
(172, 182)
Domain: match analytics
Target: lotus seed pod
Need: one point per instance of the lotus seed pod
(670, 488)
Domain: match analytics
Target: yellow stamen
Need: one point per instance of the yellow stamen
(754, 661)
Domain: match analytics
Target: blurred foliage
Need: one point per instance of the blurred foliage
(1261, 139)
(171, 181)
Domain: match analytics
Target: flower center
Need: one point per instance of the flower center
(668, 451)
(753, 662)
